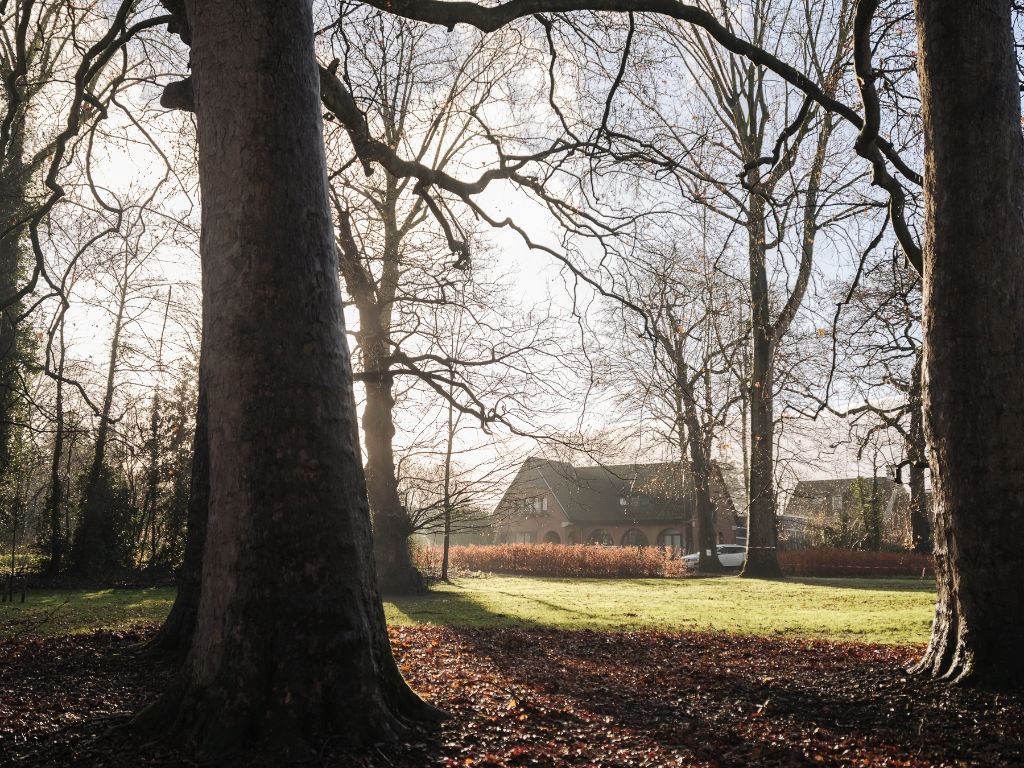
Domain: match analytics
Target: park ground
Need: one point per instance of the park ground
(560, 672)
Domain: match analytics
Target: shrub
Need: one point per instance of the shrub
(593, 561)
(556, 560)
(844, 562)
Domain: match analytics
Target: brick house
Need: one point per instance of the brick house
(817, 505)
(625, 505)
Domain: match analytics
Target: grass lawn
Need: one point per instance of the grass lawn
(59, 612)
(879, 611)
(895, 611)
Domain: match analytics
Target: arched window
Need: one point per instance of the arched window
(572, 537)
(672, 539)
(721, 538)
(602, 537)
(552, 537)
(634, 537)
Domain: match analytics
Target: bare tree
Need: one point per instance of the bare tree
(684, 378)
(423, 96)
(966, 645)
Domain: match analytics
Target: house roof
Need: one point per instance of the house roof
(813, 489)
(653, 492)
(813, 496)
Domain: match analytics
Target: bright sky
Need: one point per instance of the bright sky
(126, 166)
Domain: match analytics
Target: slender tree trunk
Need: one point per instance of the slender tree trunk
(762, 535)
(709, 562)
(55, 499)
(9, 592)
(95, 550)
(917, 448)
(147, 545)
(744, 398)
(449, 447)
(700, 470)
(290, 643)
(153, 471)
(13, 180)
(176, 633)
(974, 334)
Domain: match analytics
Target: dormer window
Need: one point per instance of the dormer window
(535, 506)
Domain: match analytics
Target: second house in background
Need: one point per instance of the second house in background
(623, 505)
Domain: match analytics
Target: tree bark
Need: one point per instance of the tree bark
(974, 333)
(392, 527)
(290, 643)
(762, 536)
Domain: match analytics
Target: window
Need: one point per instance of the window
(524, 537)
(634, 537)
(602, 537)
(837, 503)
(552, 537)
(671, 539)
(721, 538)
(535, 506)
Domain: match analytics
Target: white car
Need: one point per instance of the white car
(729, 555)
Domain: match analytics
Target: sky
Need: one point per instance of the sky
(126, 164)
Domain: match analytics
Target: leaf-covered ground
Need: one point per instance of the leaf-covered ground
(554, 698)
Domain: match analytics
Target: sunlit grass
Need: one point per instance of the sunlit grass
(59, 612)
(895, 611)
(880, 611)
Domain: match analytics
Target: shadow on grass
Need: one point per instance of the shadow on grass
(885, 584)
(455, 608)
(547, 604)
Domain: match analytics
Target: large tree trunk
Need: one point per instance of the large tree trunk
(290, 642)
(374, 300)
(396, 573)
(974, 336)
(762, 536)
(708, 562)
